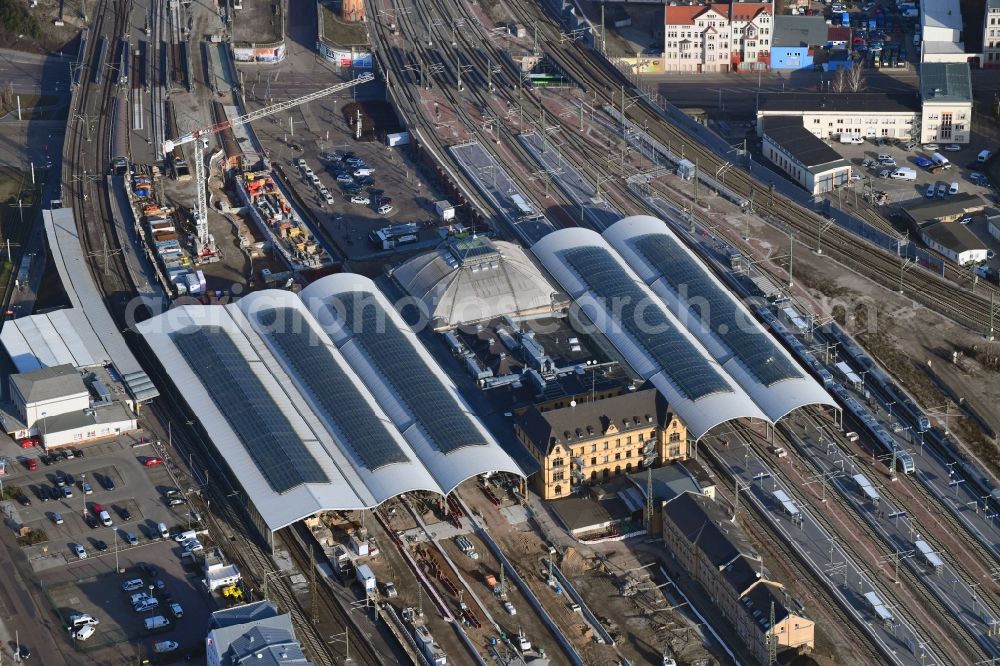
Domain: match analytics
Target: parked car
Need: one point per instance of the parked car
(922, 162)
(931, 146)
(176, 610)
(966, 220)
(953, 148)
(31, 464)
(930, 191)
(67, 492)
(80, 551)
(105, 519)
(43, 493)
(953, 188)
(384, 209)
(107, 482)
(360, 199)
(146, 606)
(100, 545)
(130, 538)
(86, 488)
(124, 513)
(56, 517)
(152, 461)
(344, 178)
(133, 584)
(942, 189)
(92, 523)
(176, 501)
(60, 479)
(70, 479)
(24, 500)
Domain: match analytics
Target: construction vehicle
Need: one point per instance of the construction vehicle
(204, 245)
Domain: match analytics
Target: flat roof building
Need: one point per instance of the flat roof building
(830, 115)
(950, 209)
(946, 92)
(328, 402)
(955, 242)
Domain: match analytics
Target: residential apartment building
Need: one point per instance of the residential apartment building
(946, 95)
(718, 37)
(716, 553)
(991, 35)
(585, 443)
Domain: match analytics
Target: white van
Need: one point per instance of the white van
(984, 155)
(903, 173)
(83, 619)
(186, 536)
(164, 532)
(851, 138)
(156, 622)
(941, 160)
(365, 171)
(105, 518)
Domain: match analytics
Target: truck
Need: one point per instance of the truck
(397, 139)
(365, 576)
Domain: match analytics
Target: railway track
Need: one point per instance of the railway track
(928, 612)
(601, 78)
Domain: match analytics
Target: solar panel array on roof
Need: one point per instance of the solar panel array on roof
(436, 411)
(753, 348)
(358, 428)
(275, 448)
(682, 363)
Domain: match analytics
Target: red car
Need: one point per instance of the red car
(96, 508)
(29, 442)
(31, 464)
(152, 462)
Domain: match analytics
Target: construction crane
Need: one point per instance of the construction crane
(204, 243)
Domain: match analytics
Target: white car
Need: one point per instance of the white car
(80, 551)
(509, 607)
(953, 189)
(930, 191)
(131, 585)
(84, 632)
(931, 146)
(953, 148)
(966, 220)
(359, 199)
(384, 209)
(140, 598)
(176, 610)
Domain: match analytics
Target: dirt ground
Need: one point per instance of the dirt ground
(48, 37)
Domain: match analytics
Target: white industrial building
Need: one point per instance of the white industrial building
(643, 289)
(941, 31)
(469, 280)
(56, 405)
(808, 160)
(830, 115)
(955, 242)
(328, 402)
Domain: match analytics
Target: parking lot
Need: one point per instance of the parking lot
(93, 587)
(133, 495)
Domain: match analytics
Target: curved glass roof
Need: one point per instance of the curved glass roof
(239, 395)
(358, 428)
(684, 364)
(434, 408)
(692, 284)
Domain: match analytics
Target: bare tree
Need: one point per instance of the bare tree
(839, 83)
(857, 80)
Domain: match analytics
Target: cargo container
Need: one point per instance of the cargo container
(397, 139)
(444, 210)
(366, 577)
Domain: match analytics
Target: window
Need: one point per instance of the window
(628, 453)
(618, 456)
(558, 462)
(675, 437)
(628, 440)
(607, 460)
(558, 490)
(674, 451)
(816, 121)
(558, 476)
(642, 437)
(606, 445)
(593, 448)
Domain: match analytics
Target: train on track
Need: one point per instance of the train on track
(81, 56)
(124, 56)
(97, 73)
(548, 80)
(119, 148)
(884, 442)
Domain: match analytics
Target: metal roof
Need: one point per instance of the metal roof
(649, 337)
(808, 149)
(715, 316)
(89, 316)
(408, 383)
(43, 341)
(53, 383)
(799, 103)
(799, 31)
(300, 425)
(945, 82)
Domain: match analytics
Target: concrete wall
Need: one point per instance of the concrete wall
(91, 432)
(791, 57)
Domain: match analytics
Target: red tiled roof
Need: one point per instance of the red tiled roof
(747, 11)
(686, 14)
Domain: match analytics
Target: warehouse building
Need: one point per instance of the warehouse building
(955, 242)
(950, 209)
(328, 402)
(470, 280)
(807, 160)
(644, 291)
(829, 115)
